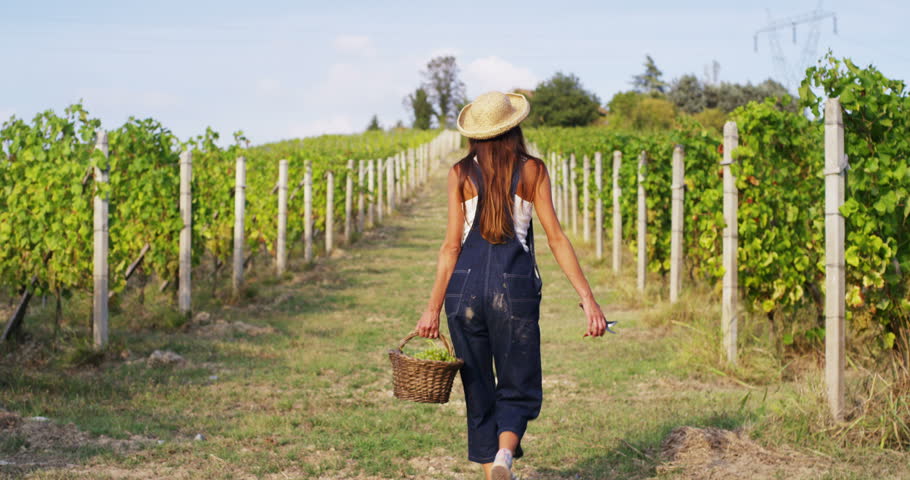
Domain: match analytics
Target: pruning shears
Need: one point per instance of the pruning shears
(609, 323)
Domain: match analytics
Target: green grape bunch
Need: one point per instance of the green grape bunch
(435, 352)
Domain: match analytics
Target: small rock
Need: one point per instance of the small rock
(39, 419)
(199, 437)
(167, 357)
(4, 462)
(160, 442)
(213, 377)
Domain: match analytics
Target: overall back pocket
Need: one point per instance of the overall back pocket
(455, 290)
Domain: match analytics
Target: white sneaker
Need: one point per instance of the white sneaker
(502, 465)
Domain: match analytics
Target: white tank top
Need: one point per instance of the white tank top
(521, 214)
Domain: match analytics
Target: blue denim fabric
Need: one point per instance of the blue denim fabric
(492, 305)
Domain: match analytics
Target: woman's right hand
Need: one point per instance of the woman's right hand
(428, 325)
(597, 322)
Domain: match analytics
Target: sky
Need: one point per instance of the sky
(288, 69)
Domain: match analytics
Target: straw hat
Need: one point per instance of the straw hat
(492, 114)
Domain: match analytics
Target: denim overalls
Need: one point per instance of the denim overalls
(493, 306)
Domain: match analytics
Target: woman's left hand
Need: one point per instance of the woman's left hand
(428, 325)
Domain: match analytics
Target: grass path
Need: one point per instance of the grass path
(312, 399)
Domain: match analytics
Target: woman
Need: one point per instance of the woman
(487, 278)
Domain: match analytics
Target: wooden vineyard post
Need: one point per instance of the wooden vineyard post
(239, 204)
(565, 191)
(401, 178)
(185, 266)
(329, 211)
(396, 180)
(642, 222)
(281, 249)
(308, 211)
(380, 166)
(371, 186)
(348, 202)
(598, 205)
(573, 189)
(412, 175)
(100, 251)
(405, 177)
(730, 296)
(586, 196)
(418, 158)
(360, 196)
(617, 214)
(835, 272)
(426, 162)
(678, 188)
(390, 177)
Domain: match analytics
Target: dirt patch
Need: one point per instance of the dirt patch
(223, 328)
(27, 443)
(442, 466)
(714, 453)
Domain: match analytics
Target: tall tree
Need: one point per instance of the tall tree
(419, 105)
(688, 93)
(562, 101)
(446, 91)
(374, 124)
(649, 81)
(639, 111)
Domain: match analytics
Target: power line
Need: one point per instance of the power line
(790, 73)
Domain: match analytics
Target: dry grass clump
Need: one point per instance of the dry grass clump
(714, 453)
(880, 403)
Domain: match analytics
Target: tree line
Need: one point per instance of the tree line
(651, 104)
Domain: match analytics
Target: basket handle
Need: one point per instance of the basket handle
(441, 337)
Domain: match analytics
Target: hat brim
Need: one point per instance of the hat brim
(519, 103)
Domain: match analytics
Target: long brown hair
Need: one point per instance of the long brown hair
(498, 158)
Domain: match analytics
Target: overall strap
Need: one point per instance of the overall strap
(476, 176)
(516, 175)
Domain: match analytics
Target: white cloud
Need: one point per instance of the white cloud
(336, 123)
(494, 73)
(355, 45)
(116, 98)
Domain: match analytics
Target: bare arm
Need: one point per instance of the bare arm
(428, 325)
(565, 255)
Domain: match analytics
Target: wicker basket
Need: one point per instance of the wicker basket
(425, 381)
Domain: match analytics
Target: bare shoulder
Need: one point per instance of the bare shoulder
(533, 172)
(533, 168)
(457, 181)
